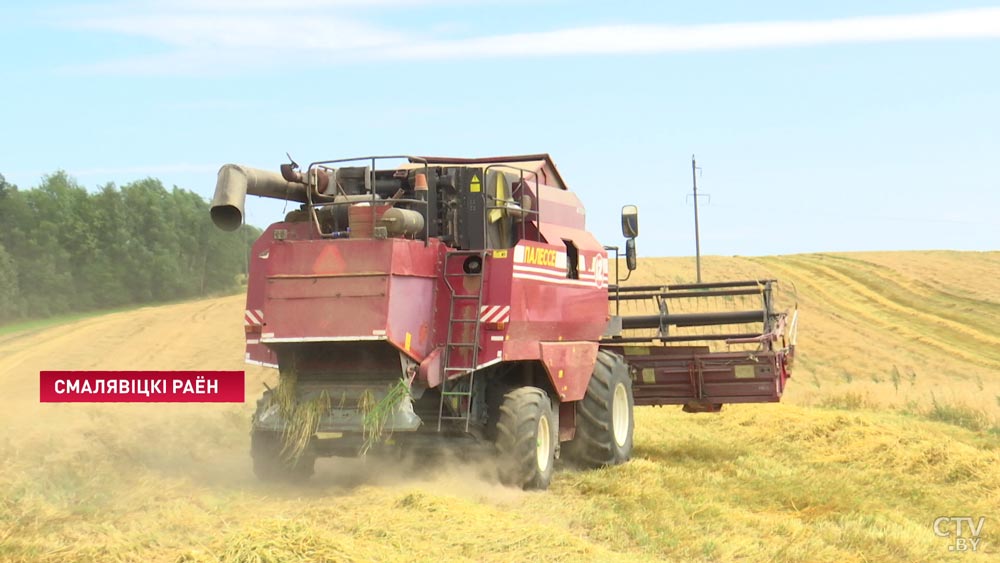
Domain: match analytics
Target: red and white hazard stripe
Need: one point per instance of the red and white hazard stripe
(494, 314)
(253, 317)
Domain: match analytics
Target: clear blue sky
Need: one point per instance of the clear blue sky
(820, 127)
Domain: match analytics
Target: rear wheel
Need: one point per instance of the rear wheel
(526, 439)
(604, 423)
(270, 465)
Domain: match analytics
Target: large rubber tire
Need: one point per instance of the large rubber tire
(604, 418)
(526, 439)
(268, 463)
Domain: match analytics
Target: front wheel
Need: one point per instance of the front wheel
(526, 439)
(604, 423)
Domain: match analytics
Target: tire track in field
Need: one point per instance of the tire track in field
(844, 307)
(881, 298)
(847, 299)
(911, 291)
(807, 289)
(973, 275)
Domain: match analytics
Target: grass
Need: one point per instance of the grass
(959, 415)
(847, 401)
(32, 325)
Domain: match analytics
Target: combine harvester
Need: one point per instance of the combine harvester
(464, 300)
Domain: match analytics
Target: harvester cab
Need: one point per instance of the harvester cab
(463, 300)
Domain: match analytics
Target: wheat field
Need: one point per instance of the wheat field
(892, 419)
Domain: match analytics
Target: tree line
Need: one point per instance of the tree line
(65, 249)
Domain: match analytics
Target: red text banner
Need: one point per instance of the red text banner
(141, 387)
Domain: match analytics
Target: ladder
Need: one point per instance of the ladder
(453, 386)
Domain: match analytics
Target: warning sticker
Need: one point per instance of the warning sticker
(474, 185)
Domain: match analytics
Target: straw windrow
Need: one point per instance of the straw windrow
(377, 413)
(302, 418)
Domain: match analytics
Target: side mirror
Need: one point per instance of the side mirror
(630, 221)
(630, 259)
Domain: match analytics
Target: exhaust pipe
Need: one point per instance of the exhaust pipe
(236, 181)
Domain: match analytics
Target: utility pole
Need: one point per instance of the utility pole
(697, 239)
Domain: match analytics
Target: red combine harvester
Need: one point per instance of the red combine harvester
(465, 300)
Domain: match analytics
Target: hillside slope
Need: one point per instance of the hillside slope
(894, 340)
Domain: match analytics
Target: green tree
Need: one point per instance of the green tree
(65, 249)
(9, 295)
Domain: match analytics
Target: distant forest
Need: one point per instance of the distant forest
(65, 249)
